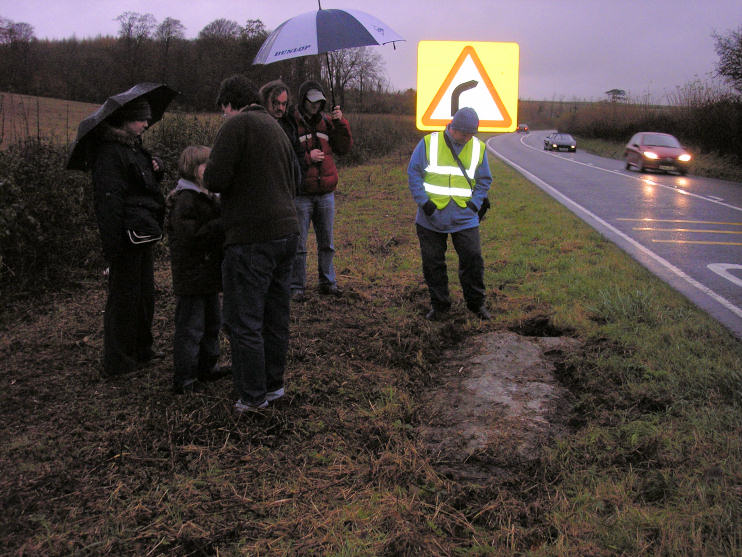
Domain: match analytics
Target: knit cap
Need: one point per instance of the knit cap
(465, 120)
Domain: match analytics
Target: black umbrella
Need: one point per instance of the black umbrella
(157, 95)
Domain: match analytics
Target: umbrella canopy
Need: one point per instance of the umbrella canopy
(324, 31)
(157, 95)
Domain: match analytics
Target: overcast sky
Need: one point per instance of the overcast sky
(569, 49)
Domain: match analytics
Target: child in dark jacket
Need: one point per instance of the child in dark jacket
(196, 236)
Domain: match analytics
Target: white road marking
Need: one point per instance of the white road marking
(722, 269)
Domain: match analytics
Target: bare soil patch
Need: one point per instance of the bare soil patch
(498, 392)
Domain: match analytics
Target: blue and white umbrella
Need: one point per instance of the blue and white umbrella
(323, 31)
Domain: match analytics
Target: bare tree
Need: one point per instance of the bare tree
(729, 49)
(136, 27)
(254, 29)
(221, 29)
(357, 67)
(16, 64)
(11, 32)
(168, 31)
(616, 95)
(134, 32)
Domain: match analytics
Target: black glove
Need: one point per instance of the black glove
(471, 206)
(429, 207)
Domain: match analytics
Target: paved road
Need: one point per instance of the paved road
(686, 230)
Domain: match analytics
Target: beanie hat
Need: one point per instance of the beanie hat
(137, 110)
(465, 120)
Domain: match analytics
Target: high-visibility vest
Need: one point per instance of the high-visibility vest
(443, 179)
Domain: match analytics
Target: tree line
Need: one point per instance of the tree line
(91, 69)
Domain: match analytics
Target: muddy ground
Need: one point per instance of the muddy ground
(87, 461)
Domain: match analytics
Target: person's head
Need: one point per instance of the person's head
(274, 96)
(312, 98)
(464, 125)
(133, 117)
(235, 93)
(192, 162)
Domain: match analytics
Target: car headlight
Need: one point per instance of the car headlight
(650, 155)
(684, 158)
(554, 145)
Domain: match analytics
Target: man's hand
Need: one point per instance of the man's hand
(429, 207)
(336, 114)
(316, 155)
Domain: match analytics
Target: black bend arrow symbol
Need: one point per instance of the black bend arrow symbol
(457, 93)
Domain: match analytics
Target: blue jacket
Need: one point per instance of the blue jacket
(451, 218)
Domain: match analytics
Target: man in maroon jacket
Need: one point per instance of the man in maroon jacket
(321, 136)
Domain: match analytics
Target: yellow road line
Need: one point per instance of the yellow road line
(683, 221)
(698, 242)
(689, 230)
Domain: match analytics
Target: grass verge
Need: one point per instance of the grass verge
(651, 465)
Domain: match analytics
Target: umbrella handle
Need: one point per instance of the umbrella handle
(329, 72)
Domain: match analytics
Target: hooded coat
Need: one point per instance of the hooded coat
(127, 191)
(195, 235)
(320, 132)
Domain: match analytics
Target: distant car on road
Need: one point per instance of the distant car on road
(558, 141)
(522, 128)
(656, 151)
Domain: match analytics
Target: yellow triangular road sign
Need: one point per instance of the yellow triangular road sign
(467, 83)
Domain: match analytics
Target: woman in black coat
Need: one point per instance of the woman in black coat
(130, 209)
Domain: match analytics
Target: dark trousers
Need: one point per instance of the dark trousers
(471, 266)
(198, 320)
(127, 323)
(256, 281)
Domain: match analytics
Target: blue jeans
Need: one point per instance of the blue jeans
(256, 313)
(196, 341)
(320, 210)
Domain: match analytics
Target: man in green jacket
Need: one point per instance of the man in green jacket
(252, 167)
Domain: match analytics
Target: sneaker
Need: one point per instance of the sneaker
(297, 295)
(330, 290)
(270, 396)
(241, 407)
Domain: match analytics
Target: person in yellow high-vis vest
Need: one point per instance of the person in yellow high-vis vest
(449, 196)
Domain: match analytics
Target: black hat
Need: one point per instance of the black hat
(137, 110)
